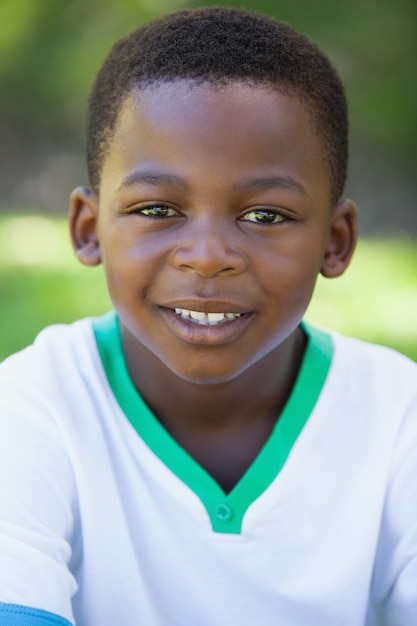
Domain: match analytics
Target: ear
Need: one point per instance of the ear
(83, 217)
(342, 239)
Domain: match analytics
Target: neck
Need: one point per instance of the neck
(261, 389)
(222, 426)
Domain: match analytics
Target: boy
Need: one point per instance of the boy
(202, 456)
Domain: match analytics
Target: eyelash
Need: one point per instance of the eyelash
(266, 213)
(161, 211)
(155, 207)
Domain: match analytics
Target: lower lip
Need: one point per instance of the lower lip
(214, 334)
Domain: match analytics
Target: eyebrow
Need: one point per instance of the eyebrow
(151, 177)
(272, 182)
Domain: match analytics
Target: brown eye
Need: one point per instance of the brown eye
(263, 216)
(158, 210)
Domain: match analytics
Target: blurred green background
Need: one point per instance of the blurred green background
(49, 53)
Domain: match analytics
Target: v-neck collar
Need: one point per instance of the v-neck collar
(226, 511)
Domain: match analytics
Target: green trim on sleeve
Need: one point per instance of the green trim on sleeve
(225, 511)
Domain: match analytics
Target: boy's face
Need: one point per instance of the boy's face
(214, 222)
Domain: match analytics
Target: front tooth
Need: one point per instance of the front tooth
(215, 317)
(198, 315)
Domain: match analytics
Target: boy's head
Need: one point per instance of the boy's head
(217, 143)
(221, 45)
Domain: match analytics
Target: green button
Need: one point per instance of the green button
(224, 513)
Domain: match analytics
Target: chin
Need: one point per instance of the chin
(204, 376)
(205, 373)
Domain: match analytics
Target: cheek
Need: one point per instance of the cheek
(289, 277)
(132, 269)
(292, 263)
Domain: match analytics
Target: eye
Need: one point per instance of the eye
(157, 210)
(263, 216)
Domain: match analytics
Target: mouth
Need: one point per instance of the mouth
(219, 323)
(206, 319)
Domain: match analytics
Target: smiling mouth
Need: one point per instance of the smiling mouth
(206, 319)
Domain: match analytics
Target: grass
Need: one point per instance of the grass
(376, 299)
(41, 283)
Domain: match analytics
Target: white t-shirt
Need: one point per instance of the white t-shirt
(105, 519)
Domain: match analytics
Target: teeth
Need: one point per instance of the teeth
(209, 319)
(215, 317)
(198, 315)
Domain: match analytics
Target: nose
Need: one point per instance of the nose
(209, 249)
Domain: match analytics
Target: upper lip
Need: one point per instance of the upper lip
(206, 306)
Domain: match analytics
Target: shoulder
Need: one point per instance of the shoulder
(38, 488)
(54, 350)
(376, 368)
(47, 390)
(370, 392)
(51, 378)
(375, 387)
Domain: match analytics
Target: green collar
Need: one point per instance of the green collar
(226, 511)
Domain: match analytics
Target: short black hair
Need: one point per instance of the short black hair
(220, 45)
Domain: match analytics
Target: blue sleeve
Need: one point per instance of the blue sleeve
(16, 615)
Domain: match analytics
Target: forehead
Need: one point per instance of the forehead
(230, 128)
